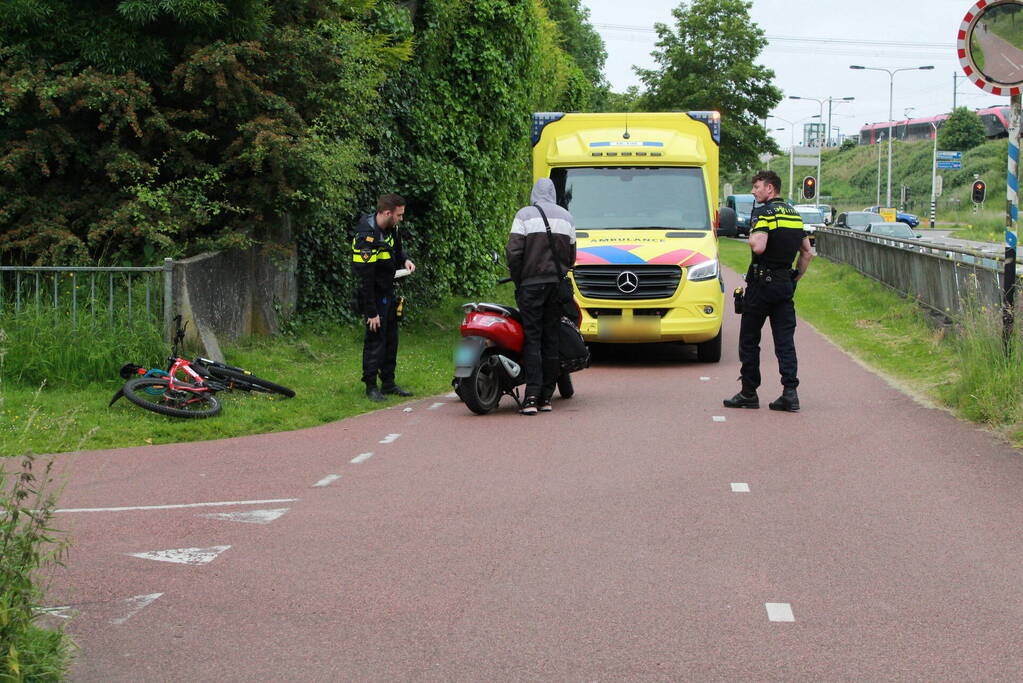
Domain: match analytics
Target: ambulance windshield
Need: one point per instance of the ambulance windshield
(632, 198)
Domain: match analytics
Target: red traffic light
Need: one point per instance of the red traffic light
(979, 191)
(809, 187)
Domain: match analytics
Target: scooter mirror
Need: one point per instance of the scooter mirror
(494, 256)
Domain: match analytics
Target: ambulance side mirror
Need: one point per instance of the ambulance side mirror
(726, 221)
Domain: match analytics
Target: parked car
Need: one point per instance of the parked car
(897, 230)
(743, 204)
(855, 220)
(907, 218)
(812, 219)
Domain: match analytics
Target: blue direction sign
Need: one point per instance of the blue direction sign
(950, 165)
(949, 156)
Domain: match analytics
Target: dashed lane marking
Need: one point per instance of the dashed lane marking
(135, 605)
(327, 480)
(191, 556)
(249, 516)
(779, 611)
(705, 379)
(740, 488)
(437, 405)
(184, 505)
(718, 418)
(390, 438)
(361, 458)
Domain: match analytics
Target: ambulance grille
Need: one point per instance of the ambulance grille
(601, 282)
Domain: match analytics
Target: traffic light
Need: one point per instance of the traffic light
(809, 187)
(979, 189)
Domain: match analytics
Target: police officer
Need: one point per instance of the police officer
(775, 239)
(376, 254)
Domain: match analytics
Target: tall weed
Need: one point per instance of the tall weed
(44, 347)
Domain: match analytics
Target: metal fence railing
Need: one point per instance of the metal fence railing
(100, 292)
(943, 278)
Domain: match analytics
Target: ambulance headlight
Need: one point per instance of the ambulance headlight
(705, 271)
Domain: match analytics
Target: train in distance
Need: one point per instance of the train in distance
(995, 119)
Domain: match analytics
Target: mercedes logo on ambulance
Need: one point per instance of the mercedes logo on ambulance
(628, 282)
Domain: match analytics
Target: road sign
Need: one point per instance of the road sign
(889, 214)
(950, 165)
(938, 185)
(949, 156)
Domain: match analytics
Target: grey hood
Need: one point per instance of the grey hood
(543, 191)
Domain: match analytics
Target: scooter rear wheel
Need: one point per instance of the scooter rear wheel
(481, 390)
(565, 388)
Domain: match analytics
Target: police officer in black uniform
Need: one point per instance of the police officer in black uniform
(376, 254)
(776, 237)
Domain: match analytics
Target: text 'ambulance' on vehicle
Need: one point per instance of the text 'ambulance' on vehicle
(643, 189)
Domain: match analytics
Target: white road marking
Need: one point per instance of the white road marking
(135, 605)
(192, 556)
(249, 516)
(740, 488)
(185, 505)
(58, 612)
(328, 480)
(779, 611)
(451, 395)
(437, 405)
(390, 438)
(705, 379)
(718, 418)
(361, 458)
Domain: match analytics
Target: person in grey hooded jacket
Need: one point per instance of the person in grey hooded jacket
(535, 261)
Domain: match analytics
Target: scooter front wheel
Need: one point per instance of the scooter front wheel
(481, 390)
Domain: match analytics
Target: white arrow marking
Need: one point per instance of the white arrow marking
(390, 438)
(135, 605)
(249, 516)
(328, 480)
(361, 458)
(192, 556)
(437, 405)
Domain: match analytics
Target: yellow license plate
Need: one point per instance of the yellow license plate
(618, 328)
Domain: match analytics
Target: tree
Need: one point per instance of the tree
(961, 131)
(709, 62)
(847, 144)
(583, 44)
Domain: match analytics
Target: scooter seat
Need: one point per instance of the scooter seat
(501, 309)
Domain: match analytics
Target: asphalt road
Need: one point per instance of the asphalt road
(639, 532)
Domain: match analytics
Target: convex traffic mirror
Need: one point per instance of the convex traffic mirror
(990, 46)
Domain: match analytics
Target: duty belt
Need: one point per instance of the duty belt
(764, 274)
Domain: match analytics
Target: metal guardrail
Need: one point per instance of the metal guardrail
(24, 288)
(944, 278)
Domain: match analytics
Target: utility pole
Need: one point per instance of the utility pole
(955, 87)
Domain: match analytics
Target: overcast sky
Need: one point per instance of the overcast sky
(879, 33)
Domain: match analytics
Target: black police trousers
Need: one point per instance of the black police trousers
(380, 348)
(540, 307)
(763, 301)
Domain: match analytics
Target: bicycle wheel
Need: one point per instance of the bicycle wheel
(246, 382)
(156, 394)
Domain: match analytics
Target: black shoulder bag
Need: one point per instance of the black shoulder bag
(565, 293)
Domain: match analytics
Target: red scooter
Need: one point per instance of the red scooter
(488, 358)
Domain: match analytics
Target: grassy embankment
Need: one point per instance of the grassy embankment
(966, 370)
(850, 179)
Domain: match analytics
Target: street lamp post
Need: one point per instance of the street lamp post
(891, 92)
(820, 114)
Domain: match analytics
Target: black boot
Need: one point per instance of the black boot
(744, 399)
(373, 392)
(393, 388)
(788, 401)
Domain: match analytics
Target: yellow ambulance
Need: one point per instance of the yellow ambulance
(643, 189)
